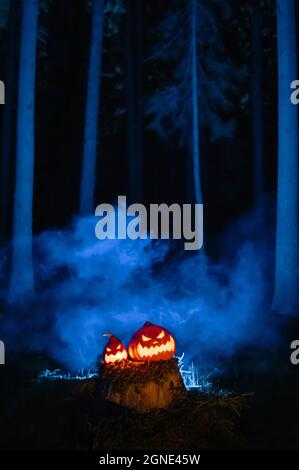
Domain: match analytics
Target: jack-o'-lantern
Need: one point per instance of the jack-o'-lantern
(152, 343)
(115, 350)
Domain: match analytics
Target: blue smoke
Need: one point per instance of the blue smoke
(88, 287)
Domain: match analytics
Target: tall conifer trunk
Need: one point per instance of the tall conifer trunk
(91, 135)
(9, 112)
(257, 105)
(287, 241)
(195, 116)
(22, 277)
(134, 17)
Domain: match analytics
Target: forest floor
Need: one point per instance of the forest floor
(69, 414)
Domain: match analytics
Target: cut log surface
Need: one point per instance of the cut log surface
(143, 386)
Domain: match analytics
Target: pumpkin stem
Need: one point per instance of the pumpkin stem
(108, 334)
(147, 323)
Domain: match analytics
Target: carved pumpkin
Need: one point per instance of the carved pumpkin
(115, 350)
(152, 343)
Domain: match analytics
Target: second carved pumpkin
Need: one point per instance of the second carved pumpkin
(115, 350)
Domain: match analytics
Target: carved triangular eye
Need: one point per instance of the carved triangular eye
(109, 349)
(161, 335)
(145, 338)
(119, 346)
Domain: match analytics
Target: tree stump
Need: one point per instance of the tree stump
(142, 386)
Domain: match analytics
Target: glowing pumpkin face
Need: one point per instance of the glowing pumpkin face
(152, 343)
(115, 350)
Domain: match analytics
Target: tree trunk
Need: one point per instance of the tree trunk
(22, 278)
(8, 127)
(141, 386)
(286, 270)
(257, 105)
(92, 110)
(195, 117)
(134, 98)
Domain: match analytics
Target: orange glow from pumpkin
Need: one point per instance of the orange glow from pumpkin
(119, 356)
(146, 352)
(115, 350)
(152, 343)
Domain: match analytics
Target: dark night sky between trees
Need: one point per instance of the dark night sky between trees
(187, 113)
(60, 100)
(173, 75)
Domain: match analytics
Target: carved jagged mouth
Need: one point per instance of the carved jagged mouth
(119, 356)
(144, 351)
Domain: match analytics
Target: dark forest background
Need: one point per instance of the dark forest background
(185, 105)
(182, 101)
(62, 63)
